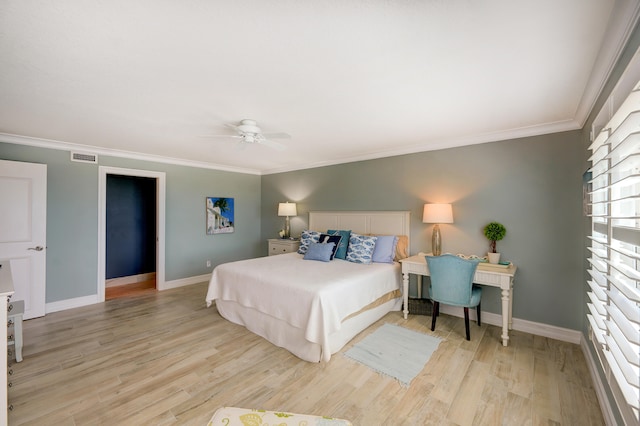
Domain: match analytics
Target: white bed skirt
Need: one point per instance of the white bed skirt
(291, 338)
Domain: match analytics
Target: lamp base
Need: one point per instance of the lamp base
(436, 241)
(287, 228)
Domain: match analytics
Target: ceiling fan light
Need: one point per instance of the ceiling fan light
(248, 126)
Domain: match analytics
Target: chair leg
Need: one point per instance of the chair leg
(434, 314)
(478, 311)
(466, 322)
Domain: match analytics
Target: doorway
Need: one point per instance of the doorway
(128, 179)
(130, 266)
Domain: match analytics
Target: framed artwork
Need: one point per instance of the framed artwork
(220, 212)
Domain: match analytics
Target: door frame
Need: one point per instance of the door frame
(160, 178)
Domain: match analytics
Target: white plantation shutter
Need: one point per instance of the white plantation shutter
(614, 261)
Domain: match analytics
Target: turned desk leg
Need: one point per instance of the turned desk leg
(511, 306)
(506, 316)
(405, 294)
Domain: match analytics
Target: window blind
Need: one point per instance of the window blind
(614, 250)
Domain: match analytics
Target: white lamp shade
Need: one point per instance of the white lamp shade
(287, 209)
(437, 213)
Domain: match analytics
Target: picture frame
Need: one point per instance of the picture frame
(220, 212)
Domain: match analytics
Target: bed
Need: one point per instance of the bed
(308, 307)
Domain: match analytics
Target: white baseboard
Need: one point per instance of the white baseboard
(77, 302)
(184, 281)
(539, 329)
(599, 386)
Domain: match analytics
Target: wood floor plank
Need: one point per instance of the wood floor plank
(546, 393)
(469, 394)
(165, 359)
(518, 411)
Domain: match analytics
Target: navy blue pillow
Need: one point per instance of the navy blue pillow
(335, 239)
(318, 251)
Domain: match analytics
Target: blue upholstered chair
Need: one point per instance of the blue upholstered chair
(452, 284)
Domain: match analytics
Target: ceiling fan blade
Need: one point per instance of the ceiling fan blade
(277, 135)
(221, 136)
(272, 144)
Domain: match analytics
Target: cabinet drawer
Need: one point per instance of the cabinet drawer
(283, 246)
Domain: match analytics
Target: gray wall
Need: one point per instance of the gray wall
(531, 185)
(72, 218)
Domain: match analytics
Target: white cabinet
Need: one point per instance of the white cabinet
(281, 246)
(6, 290)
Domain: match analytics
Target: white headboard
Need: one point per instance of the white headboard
(376, 222)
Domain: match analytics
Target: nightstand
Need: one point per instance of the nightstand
(280, 246)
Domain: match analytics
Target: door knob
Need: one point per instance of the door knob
(38, 248)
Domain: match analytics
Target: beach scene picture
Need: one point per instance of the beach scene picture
(220, 211)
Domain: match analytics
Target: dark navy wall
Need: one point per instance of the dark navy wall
(131, 226)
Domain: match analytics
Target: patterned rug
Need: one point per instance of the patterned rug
(395, 351)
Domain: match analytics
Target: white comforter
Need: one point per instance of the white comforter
(311, 295)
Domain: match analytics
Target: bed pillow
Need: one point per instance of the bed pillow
(307, 238)
(385, 249)
(361, 248)
(341, 253)
(335, 239)
(402, 248)
(319, 251)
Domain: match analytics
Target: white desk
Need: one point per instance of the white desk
(485, 275)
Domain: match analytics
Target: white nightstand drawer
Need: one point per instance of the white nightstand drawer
(277, 246)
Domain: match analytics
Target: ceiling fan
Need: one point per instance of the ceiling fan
(249, 133)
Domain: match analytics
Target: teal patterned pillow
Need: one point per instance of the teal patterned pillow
(341, 252)
(361, 248)
(307, 238)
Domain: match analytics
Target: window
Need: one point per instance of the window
(614, 259)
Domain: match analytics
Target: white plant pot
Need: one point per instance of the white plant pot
(493, 257)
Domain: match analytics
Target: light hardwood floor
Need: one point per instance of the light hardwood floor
(164, 358)
(128, 290)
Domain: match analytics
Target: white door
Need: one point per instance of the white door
(23, 231)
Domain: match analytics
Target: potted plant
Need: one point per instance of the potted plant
(494, 231)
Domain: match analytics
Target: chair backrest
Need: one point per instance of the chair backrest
(451, 279)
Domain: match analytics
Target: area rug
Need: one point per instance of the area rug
(395, 351)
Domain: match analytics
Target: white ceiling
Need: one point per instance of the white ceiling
(347, 79)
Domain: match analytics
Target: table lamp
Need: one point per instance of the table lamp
(287, 209)
(437, 214)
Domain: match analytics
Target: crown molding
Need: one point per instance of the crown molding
(67, 146)
(622, 22)
(519, 133)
